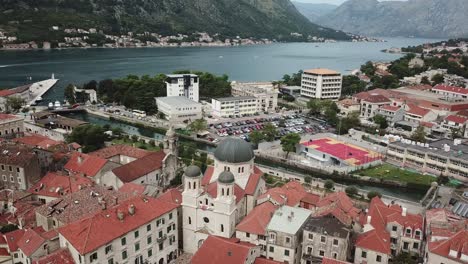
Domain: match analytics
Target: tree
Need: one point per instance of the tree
(419, 135)
(69, 94)
(270, 132)
(256, 137)
(315, 107)
(425, 80)
(372, 194)
(329, 184)
(91, 137)
(14, 103)
(346, 123)
(8, 228)
(381, 121)
(437, 79)
(351, 191)
(404, 258)
(368, 68)
(198, 125)
(289, 142)
(307, 179)
(456, 133)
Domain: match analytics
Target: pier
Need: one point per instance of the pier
(38, 89)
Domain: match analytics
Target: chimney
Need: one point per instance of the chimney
(103, 205)
(131, 209)
(116, 200)
(289, 218)
(369, 218)
(80, 159)
(120, 215)
(403, 211)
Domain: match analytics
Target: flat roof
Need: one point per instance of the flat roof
(288, 219)
(181, 75)
(234, 98)
(429, 96)
(459, 151)
(177, 101)
(321, 71)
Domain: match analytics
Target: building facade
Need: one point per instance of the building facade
(10, 126)
(321, 84)
(186, 85)
(266, 94)
(235, 106)
(178, 109)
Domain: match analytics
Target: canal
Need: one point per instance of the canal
(402, 193)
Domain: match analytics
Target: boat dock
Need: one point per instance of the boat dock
(38, 89)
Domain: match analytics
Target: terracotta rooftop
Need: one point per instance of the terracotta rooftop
(262, 260)
(251, 186)
(98, 230)
(16, 154)
(257, 220)
(376, 98)
(289, 194)
(451, 89)
(321, 71)
(340, 206)
(458, 244)
(36, 140)
(378, 241)
(212, 190)
(217, 250)
(390, 108)
(172, 195)
(418, 111)
(7, 116)
(56, 185)
(124, 150)
(32, 239)
(81, 204)
(61, 256)
(140, 167)
(456, 119)
(85, 164)
(333, 261)
(132, 188)
(12, 239)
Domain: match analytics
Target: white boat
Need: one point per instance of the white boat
(57, 104)
(51, 105)
(38, 99)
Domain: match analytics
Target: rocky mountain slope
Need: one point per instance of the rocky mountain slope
(314, 11)
(247, 18)
(420, 18)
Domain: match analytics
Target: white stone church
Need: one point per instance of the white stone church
(214, 203)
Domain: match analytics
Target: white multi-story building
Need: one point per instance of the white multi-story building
(186, 85)
(215, 203)
(321, 84)
(139, 230)
(234, 106)
(178, 109)
(266, 94)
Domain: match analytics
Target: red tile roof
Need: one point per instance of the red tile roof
(375, 240)
(12, 239)
(340, 206)
(290, 194)
(6, 92)
(98, 230)
(251, 186)
(418, 111)
(37, 141)
(4, 252)
(6, 116)
(456, 119)
(140, 167)
(33, 239)
(390, 108)
(311, 198)
(376, 98)
(85, 164)
(217, 250)
(17, 154)
(262, 260)
(451, 89)
(463, 113)
(257, 220)
(56, 185)
(333, 261)
(212, 190)
(172, 195)
(61, 256)
(132, 188)
(125, 150)
(457, 243)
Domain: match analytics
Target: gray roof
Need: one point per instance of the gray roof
(437, 147)
(192, 171)
(327, 226)
(288, 219)
(226, 177)
(177, 101)
(234, 150)
(235, 98)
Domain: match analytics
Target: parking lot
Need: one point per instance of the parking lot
(292, 123)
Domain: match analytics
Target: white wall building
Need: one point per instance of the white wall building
(179, 108)
(266, 94)
(234, 106)
(321, 84)
(186, 85)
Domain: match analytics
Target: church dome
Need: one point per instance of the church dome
(192, 171)
(234, 150)
(226, 177)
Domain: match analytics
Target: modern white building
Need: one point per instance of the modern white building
(186, 85)
(265, 92)
(234, 106)
(179, 108)
(321, 84)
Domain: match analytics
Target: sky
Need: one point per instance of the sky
(335, 2)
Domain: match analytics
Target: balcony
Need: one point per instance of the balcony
(161, 239)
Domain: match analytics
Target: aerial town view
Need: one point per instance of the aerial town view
(234, 132)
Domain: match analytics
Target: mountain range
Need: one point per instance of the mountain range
(32, 19)
(419, 18)
(314, 11)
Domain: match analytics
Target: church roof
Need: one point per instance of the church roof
(226, 177)
(234, 150)
(192, 171)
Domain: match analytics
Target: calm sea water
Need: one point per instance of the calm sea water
(247, 63)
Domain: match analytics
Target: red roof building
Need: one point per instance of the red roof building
(451, 250)
(340, 206)
(132, 188)
(35, 239)
(289, 194)
(333, 261)
(257, 220)
(121, 153)
(216, 250)
(61, 256)
(140, 167)
(92, 233)
(39, 141)
(54, 185)
(172, 195)
(85, 164)
(453, 91)
(251, 186)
